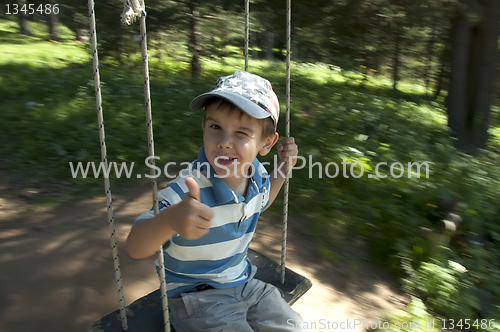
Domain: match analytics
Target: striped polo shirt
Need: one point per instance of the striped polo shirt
(219, 257)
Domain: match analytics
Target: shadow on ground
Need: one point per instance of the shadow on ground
(57, 270)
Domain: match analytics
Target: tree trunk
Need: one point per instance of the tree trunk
(270, 45)
(193, 40)
(23, 20)
(295, 55)
(443, 66)
(52, 22)
(428, 67)
(395, 64)
(255, 54)
(472, 74)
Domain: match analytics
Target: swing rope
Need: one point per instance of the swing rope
(287, 133)
(287, 115)
(134, 9)
(247, 29)
(104, 158)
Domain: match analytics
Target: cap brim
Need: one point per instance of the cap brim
(252, 109)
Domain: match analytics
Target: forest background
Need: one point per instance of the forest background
(372, 81)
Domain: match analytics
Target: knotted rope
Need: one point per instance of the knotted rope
(134, 9)
(104, 159)
(247, 28)
(287, 115)
(287, 133)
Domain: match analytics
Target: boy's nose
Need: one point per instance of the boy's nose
(226, 141)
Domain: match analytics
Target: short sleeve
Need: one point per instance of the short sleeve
(172, 194)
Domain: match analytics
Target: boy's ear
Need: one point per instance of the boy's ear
(268, 144)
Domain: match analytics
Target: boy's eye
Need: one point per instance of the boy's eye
(242, 133)
(215, 126)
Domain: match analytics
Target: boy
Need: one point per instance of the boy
(209, 212)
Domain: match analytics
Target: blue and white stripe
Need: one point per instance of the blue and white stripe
(219, 257)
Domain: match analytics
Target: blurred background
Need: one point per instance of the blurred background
(372, 81)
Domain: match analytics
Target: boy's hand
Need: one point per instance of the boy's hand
(194, 217)
(288, 149)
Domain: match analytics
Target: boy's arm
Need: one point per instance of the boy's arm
(190, 219)
(277, 177)
(146, 236)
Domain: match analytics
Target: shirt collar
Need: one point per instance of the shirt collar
(222, 192)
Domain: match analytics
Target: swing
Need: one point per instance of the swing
(145, 314)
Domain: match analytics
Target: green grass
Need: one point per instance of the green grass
(38, 49)
(48, 119)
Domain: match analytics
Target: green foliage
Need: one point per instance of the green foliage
(49, 120)
(415, 318)
(446, 286)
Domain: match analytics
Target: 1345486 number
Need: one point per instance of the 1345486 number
(466, 324)
(28, 9)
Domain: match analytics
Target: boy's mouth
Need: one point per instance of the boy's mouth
(224, 161)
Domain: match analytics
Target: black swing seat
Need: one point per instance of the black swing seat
(145, 314)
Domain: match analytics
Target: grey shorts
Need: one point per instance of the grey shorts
(253, 306)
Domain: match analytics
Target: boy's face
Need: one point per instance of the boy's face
(232, 140)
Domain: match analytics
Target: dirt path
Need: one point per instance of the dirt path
(57, 273)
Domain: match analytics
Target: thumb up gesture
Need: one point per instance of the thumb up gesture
(192, 219)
